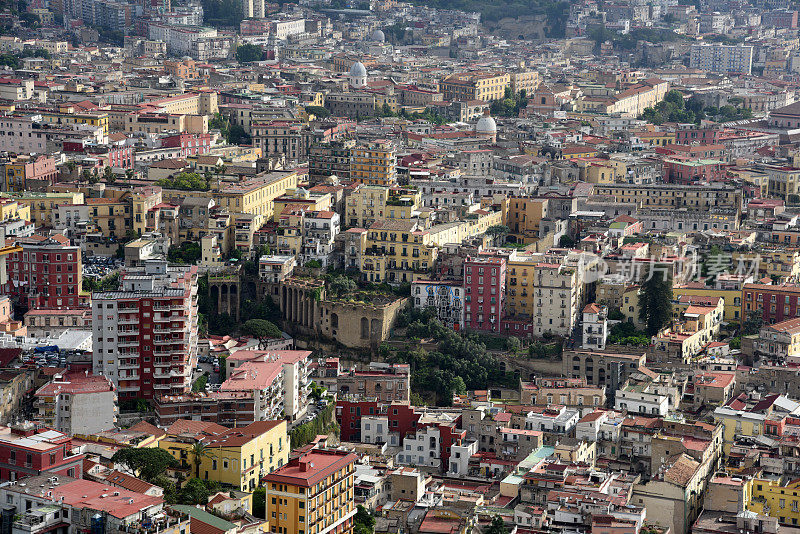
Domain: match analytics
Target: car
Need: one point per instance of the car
(216, 368)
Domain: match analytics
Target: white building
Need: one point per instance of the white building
(18, 134)
(644, 399)
(595, 327)
(556, 419)
(458, 464)
(721, 58)
(375, 429)
(320, 229)
(78, 404)
(179, 39)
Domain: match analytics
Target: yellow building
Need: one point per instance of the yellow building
(738, 423)
(776, 498)
(304, 199)
(523, 216)
(397, 251)
(732, 298)
(313, 494)
(257, 195)
(754, 177)
(374, 164)
(520, 278)
(238, 457)
(600, 171)
(42, 205)
(369, 203)
(778, 264)
(96, 119)
(11, 209)
(468, 86)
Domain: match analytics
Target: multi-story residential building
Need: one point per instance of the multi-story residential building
(555, 418)
(595, 327)
(46, 273)
(446, 297)
(144, 335)
(468, 86)
(26, 173)
(722, 58)
(238, 457)
(374, 164)
(329, 159)
(312, 493)
(435, 439)
(369, 203)
(279, 380)
(774, 303)
(388, 384)
(701, 198)
(320, 229)
(77, 403)
(780, 342)
(27, 451)
(608, 369)
(484, 292)
(396, 251)
(42, 206)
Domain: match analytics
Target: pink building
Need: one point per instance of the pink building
(484, 292)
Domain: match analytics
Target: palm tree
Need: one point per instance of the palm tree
(198, 451)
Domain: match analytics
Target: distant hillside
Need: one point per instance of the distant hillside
(494, 10)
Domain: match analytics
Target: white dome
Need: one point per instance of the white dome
(358, 69)
(486, 125)
(378, 36)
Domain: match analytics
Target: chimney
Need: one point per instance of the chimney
(304, 464)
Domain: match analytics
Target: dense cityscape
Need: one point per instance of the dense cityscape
(377, 267)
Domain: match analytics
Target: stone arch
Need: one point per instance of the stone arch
(334, 320)
(375, 328)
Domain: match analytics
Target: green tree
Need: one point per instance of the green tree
(185, 181)
(341, 285)
(145, 463)
(497, 526)
(319, 112)
(195, 491)
(260, 502)
(363, 522)
(248, 53)
(655, 298)
(261, 329)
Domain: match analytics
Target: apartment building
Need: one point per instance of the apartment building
(144, 335)
(721, 58)
(330, 159)
(44, 205)
(46, 273)
(27, 451)
(319, 231)
(396, 251)
(77, 403)
(673, 196)
(469, 86)
(557, 298)
(774, 303)
(780, 341)
(374, 164)
(25, 173)
(369, 203)
(388, 384)
(238, 457)
(446, 297)
(279, 380)
(484, 292)
(256, 195)
(312, 493)
(608, 369)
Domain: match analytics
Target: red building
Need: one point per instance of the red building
(484, 292)
(774, 303)
(190, 144)
(685, 171)
(144, 336)
(26, 451)
(349, 413)
(46, 274)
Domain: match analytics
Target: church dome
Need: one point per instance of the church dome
(378, 36)
(358, 69)
(486, 125)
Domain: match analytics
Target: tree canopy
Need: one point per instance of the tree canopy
(261, 329)
(248, 53)
(145, 463)
(674, 108)
(655, 299)
(186, 181)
